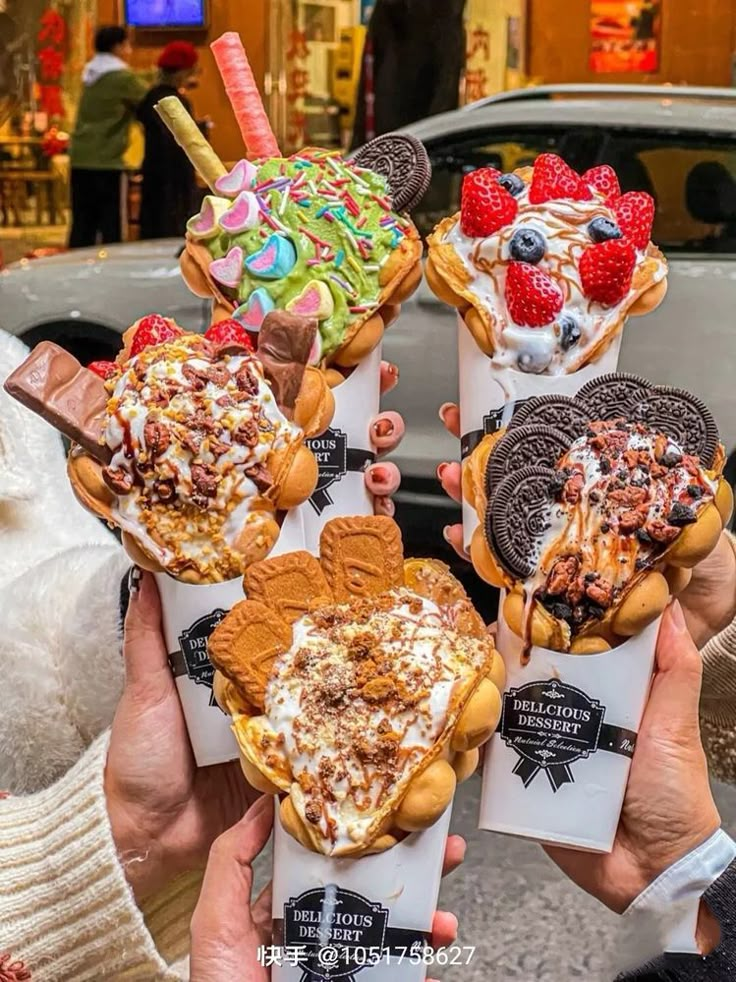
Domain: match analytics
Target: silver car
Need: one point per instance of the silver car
(677, 143)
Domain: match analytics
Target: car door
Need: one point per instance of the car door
(690, 339)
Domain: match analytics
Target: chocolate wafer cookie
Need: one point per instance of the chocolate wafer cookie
(613, 395)
(562, 412)
(524, 446)
(684, 418)
(519, 518)
(405, 164)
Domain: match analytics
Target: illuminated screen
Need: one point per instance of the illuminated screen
(166, 13)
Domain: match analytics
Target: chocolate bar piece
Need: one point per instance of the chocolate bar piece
(53, 384)
(284, 343)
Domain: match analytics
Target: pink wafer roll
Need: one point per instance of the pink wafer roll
(244, 97)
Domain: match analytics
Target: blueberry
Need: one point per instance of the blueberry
(569, 332)
(513, 184)
(527, 245)
(603, 229)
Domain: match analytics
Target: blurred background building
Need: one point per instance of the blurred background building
(333, 72)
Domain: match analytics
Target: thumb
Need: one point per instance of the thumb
(675, 694)
(224, 907)
(144, 650)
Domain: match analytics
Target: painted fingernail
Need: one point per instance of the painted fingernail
(678, 618)
(446, 533)
(442, 411)
(393, 370)
(135, 575)
(379, 475)
(441, 468)
(383, 427)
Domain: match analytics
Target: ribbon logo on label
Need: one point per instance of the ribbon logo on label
(334, 459)
(191, 659)
(492, 423)
(550, 725)
(331, 929)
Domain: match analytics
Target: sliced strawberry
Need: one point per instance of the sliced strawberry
(229, 331)
(634, 213)
(486, 206)
(606, 270)
(553, 178)
(105, 369)
(151, 330)
(603, 179)
(532, 297)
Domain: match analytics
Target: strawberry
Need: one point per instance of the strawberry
(634, 213)
(603, 179)
(553, 178)
(486, 206)
(152, 330)
(606, 270)
(532, 297)
(105, 369)
(228, 332)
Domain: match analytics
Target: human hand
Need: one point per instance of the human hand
(227, 927)
(386, 432)
(708, 602)
(164, 811)
(668, 809)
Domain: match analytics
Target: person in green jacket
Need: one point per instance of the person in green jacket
(110, 97)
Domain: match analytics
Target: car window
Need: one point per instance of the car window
(505, 149)
(692, 177)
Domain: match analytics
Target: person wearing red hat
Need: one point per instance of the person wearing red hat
(169, 184)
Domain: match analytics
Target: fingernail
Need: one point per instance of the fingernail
(134, 580)
(383, 427)
(446, 533)
(443, 410)
(393, 370)
(379, 475)
(441, 468)
(678, 618)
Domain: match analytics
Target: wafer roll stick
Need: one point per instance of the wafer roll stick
(186, 133)
(244, 97)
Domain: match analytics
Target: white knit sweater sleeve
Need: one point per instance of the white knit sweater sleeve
(66, 910)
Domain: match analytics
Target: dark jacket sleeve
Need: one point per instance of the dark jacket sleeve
(720, 965)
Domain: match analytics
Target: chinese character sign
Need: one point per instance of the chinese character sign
(624, 35)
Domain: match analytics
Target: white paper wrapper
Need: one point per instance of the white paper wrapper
(340, 914)
(489, 396)
(344, 451)
(556, 768)
(190, 614)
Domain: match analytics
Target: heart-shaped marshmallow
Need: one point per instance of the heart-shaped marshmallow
(275, 260)
(241, 178)
(243, 214)
(252, 313)
(204, 225)
(315, 300)
(229, 269)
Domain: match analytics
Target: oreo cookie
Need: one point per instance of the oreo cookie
(404, 162)
(524, 446)
(683, 418)
(516, 524)
(563, 413)
(613, 395)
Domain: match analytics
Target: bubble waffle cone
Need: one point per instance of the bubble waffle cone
(333, 251)
(545, 266)
(359, 663)
(196, 447)
(589, 506)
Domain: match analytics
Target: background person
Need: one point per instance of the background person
(169, 184)
(110, 95)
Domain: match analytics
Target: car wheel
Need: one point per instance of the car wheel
(85, 340)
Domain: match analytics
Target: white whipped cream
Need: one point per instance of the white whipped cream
(563, 223)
